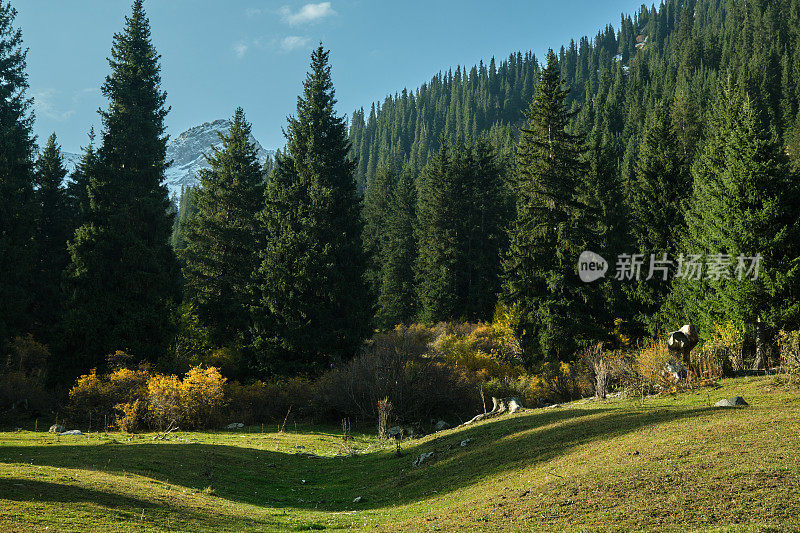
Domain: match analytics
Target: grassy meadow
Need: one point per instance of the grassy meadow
(666, 463)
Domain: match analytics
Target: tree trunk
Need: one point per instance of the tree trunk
(760, 359)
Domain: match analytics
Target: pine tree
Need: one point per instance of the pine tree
(187, 207)
(53, 229)
(376, 212)
(437, 236)
(314, 306)
(396, 302)
(657, 197)
(17, 213)
(553, 226)
(745, 202)
(461, 215)
(485, 218)
(78, 187)
(123, 276)
(222, 239)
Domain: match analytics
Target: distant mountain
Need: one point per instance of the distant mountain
(71, 160)
(186, 152)
(187, 149)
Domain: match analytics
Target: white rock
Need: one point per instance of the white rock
(56, 428)
(675, 369)
(235, 425)
(423, 457)
(357, 499)
(465, 443)
(71, 432)
(736, 401)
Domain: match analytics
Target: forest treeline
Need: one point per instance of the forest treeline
(671, 137)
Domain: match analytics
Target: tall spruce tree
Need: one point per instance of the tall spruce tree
(437, 235)
(485, 218)
(376, 214)
(222, 239)
(17, 213)
(397, 300)
(461, 216)
(314, 307)
(78, 187)
(553, 225)
(123, 275)
(187, 207)
(745, 202)
(53, 230)
(658, 194)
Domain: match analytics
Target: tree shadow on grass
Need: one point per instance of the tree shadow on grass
(283, 480)
(125, 509)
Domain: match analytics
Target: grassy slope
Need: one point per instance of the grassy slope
(670, 463)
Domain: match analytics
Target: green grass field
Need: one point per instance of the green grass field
(669, 463)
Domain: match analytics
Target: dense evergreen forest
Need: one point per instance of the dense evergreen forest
(673, 135)
(644, 98)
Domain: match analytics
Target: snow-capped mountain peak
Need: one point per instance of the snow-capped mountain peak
(186, 151)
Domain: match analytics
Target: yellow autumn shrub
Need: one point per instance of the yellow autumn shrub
(202, 396)
(164, 400)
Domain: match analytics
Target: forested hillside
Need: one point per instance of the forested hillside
(674, 53)
(640, 98)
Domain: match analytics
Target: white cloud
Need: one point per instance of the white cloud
(240, 49)
(88, 92)
(307, 14)
(253, 12)
(293, 42)
(44, 105)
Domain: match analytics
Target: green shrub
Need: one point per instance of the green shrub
(419, 387)
(23, 394)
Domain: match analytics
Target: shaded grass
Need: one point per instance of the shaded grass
(670, 463)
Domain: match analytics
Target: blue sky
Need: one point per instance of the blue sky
(217, 55)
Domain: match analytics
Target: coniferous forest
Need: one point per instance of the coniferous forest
(421, 249)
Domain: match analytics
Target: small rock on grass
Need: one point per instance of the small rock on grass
(357, 499)
(736, 401)
(423, 457)
(71, 432)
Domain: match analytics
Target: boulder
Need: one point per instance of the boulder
(412, 431)
(71, 432)
(675, 369)
(514, 405)
(736, 401)
(683, 340)
(395, 432)
(56, 428)
(235, 425)
(441, 424)
(422, 458)
(465, 443)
